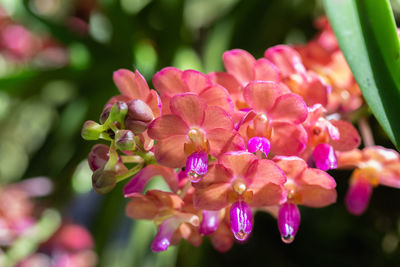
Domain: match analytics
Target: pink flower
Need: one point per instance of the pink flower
(308, 84)
(168, 211)
(373, 166)
(325, 137)
(243, 68)
(278, 117)
(134, 86)
(192, 127)
(305, 186)
(171, 81)
(242, 180)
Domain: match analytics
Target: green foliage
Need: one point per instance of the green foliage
(366, 32)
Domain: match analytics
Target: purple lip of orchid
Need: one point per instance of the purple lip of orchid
(241, 220)
(358, 196)
(259, 144)
(324, 157)
(210, 222)
(288, 222)
(196, 166)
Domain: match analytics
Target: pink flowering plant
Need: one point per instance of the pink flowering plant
(260, 136)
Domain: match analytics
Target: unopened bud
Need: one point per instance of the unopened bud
(103, 181)
(91, 130)
(125, 140)
(118, 111)
(139, 116)
(106, 112)
(98, 156)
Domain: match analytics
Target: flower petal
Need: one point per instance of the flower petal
(169, 81)
(349, 137)
(223, 140)
(170, 151)
(222, 239)
(261, 96)
(216, 117)
(217, 95)
(189, 107)
(212, 197)
(154, 102)
(289, 107)
(286, 59)
(238, 162)
(164, 235)
(287, 139)
(266, 180)
(316, 196)
(226, 80)
(138, 183)
(266, 71)
(131, 84)
(196, 81)
(311, 176)
(316, 91)
(141, 207)
(291, 166)
(161, 128)
(240, 64)
(216, 174)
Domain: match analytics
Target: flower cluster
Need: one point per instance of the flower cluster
(259, 136)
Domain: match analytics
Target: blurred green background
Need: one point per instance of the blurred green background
(43, 105)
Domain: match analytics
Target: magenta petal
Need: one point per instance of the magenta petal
(358, 196)
(164, 235)
(139, 182)
(324, 157)
(210, 222)
(196, 166)
(163, 238)
(288, 221)
(259, 144)
(241, 220)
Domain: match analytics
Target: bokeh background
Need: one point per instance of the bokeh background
(56, 68)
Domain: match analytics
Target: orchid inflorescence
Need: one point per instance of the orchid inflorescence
(260, 136)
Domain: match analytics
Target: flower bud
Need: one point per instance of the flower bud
(118, 111)
(139, 116)
(125, 140)
(324, 157)
(241, 220)
(106, 112)
(98, 156)
(103, 181)
(91, 130)
(196, 166)
(288, 221)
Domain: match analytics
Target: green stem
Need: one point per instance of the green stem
(113, 157)
(130, 172)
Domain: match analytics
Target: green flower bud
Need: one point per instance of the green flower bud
(139, 116)
(103, 181)
(125, 140)
(91, 130)
(118, 111)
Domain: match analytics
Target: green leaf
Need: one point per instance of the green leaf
(366, 32)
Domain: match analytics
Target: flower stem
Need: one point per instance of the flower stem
(185, 189)
(130, 172)
(366, 133)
